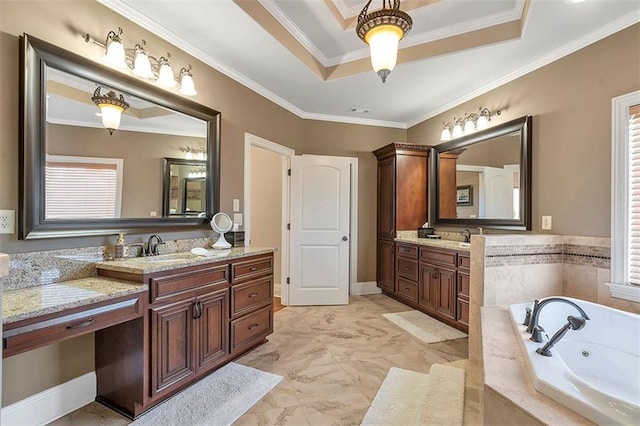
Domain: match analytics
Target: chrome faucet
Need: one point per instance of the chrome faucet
(534, 328)
(152, 245)
(573, 323)
(466, 234)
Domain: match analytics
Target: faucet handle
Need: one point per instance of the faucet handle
(527, 316)
(536, 336)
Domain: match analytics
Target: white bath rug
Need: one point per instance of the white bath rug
(424, 327)
(218, 399)
(410, 398)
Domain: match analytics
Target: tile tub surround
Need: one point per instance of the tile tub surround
(509, 395)
(149, 264)
(38, 268)
(32, 302)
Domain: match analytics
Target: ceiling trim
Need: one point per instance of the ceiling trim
(124, 127)
(569, 48)
(496, 28)
(354, 120)
(348, 17)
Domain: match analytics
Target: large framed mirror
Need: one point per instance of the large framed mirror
(77, 177)
(484, 179)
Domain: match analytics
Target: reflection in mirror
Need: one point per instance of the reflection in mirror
(76, 179)
(484, 179)
(184, 186)
(487, 180)
(92, 174)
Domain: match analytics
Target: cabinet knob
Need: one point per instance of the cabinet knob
(253, 268)
(252, 295)
(252, 326)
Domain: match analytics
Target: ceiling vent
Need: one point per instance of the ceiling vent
(359, 110)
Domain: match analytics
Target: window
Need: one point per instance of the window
(625, 197)
(83, 187)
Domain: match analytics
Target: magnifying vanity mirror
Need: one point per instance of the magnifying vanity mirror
(81, 176)
(484, 179)
(221, 223)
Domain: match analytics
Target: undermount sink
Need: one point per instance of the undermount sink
(167, 258)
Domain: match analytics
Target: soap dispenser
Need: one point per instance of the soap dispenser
(121, 249)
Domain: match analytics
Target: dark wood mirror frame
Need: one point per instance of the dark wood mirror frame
(35, 56)
(166, 180)
(522, 125)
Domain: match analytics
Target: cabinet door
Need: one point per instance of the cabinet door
(385, 266)
(445, 281)
(212, 332)
(172, 357)
(386, 198)
(426, 287)
(411, 192)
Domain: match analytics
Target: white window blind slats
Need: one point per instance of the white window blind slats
(633, 249)
(81, 189)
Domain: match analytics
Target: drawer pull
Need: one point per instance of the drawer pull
(407, 289)
(252, 326)
(86, 323)
(252, 295)
(406, 269)
(253, 268)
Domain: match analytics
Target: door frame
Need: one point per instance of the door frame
(251, 140)
(285, 163)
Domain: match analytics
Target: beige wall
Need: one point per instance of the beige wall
(570, 101)
(266, 204)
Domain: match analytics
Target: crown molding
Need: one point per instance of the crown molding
(354, 120)
(569, 48)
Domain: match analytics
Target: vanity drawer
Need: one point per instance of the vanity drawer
(407, 289)
(55, 329)
(464, 261)
(463, 312)
(407, 268)
(407, 250)
(175, 283)
(251, 295)
(463, 284)
(252, 268)
(438, 256)
(255, 326)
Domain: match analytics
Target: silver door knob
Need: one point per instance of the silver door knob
(345, 238)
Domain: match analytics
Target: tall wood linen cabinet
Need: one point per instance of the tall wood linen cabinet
(402, 201)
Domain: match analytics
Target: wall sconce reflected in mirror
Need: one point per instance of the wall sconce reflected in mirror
(469, 124)
(111, 108)
(194, 153)
(142, 64)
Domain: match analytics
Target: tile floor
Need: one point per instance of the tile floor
(333, 360)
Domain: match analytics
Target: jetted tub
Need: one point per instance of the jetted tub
(594, 371)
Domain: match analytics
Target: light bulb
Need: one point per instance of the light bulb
(186, 84)
(165, 75)
(141, 64)
(446, 134)
(383, 43)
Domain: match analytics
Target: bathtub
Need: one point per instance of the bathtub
(594, 371)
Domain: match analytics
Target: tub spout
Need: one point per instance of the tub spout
(573, 323)
(539, 304)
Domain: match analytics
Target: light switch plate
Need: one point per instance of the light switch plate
(7, 221)
(236, 205)
(237, 219)
(546, 222)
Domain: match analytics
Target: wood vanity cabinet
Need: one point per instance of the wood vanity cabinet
(434, 281)
(401, 202)
(198, 319)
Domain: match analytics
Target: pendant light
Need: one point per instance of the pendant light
(382, 30)
(111, 108)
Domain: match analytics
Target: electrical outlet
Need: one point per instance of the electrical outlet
(546, 222)
(236, 205)
(237, 219)
(7, 221)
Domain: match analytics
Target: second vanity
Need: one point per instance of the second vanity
(161, 323)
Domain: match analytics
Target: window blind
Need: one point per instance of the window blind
(75, 190)
(634, 195)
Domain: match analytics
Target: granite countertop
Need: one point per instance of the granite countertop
(32, 302)
(433, 242)
(164, 262)
(506, 373)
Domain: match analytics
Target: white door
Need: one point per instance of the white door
(320, 238)
(498, 185)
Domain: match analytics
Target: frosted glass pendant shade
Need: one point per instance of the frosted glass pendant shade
(469, 126)
(142, 65)
(383, 43)
(111, 115)
(114, 54)
(187, 87)
(165, 75)
(482, 122)
(446, 134)
(457, 131)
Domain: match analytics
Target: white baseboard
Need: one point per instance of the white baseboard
(368, 287)
(277, 290)
(53, 403)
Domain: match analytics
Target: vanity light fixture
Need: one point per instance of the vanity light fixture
(469, 124)
(194, 153)
(142, 64)
(382, 30)
(111, 107)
